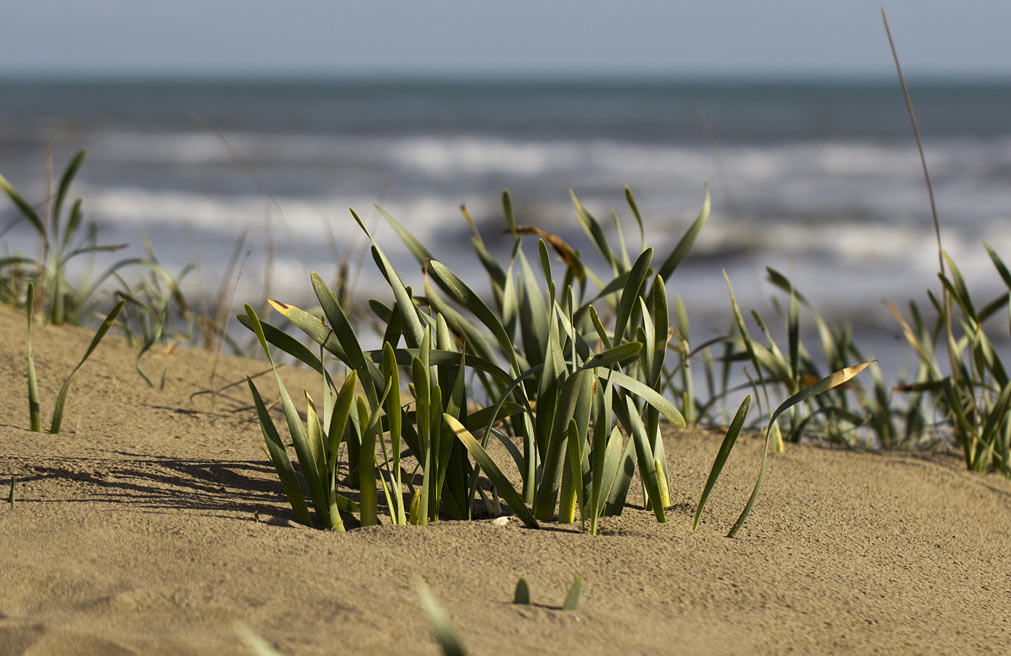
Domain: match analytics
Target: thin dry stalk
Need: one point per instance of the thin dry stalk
(946, 301)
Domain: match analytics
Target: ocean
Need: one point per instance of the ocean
(818, 179)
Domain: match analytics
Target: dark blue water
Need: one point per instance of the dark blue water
(819, 179)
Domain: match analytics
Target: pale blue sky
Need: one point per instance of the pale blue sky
(512, 37)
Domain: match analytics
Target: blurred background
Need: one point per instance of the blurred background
(251, 127)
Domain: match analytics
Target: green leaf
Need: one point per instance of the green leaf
(418, 250)
(278, 456)
(551, 471)
(99, 334)
(413, 328)
(575, 448)
(442, 628)
(307, 323)
(394, 414)
(287, 343)
(592, 228)
(599, 327)
(34, 411)
(687, 241)
(491, 470)
(661, 329)
(638, 217)
(64, 187)
(314, 432)
(630, 293)
(463, 294)
(613, 356)
(474, 341)
(367, 466)
(998, 264)
(645, 458)
(650, 396)
(24, 207)
(522, 594)
(721, 456)
(345, 333)
(828, 382)
(310, 471)
(572, 598)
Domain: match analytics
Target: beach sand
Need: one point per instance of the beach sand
(154, 521)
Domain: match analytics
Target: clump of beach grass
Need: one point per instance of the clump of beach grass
(62, 238)
(34, 408)
(566, 372)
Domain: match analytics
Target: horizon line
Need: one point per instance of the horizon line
(476, 78)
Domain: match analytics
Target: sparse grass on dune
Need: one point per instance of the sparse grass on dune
(566, 371)
(536, 355)
(571, 370)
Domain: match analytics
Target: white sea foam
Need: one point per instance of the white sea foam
(827, 210)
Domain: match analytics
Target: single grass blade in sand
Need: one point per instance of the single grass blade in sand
(61, 399)
(34, 411)
(575, 592)
(522, 594)
(721, 456)
(253, 641)
(442, 628)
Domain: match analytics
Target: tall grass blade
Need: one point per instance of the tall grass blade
(395, 418)
(592, 228)
(34, 411)
(64, 187)
(687, 241)
(24, 207)
(413, 328)
(341, 326)
(463, 294)
(647, 463)
(278, 456)
(722, 455)
(367, 467)
(310, 470)
(554, 456)
(575, 448)
(630, 294)
(61, 398)
(828, 382)
(638, 217)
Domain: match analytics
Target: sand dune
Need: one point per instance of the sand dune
(154, 521)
